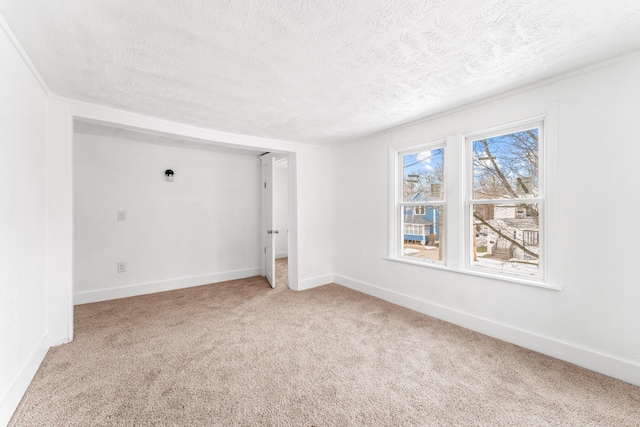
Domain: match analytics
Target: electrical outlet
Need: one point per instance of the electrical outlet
(122, 215)
(122, 267)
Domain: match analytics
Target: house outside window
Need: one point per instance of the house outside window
(421, 204)
(504, 201)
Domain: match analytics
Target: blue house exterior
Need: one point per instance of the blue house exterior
(421, 221)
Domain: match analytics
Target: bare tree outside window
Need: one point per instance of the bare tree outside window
(505, 202)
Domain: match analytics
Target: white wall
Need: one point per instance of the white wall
(593, 321)
(281, 207)
(59, 222)
(23, 293)
(314, 167)
(204, 227)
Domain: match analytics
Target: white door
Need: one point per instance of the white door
(269, 232)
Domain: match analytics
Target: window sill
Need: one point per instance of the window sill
(505, 278)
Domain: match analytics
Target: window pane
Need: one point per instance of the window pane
(422, 176)
(505, 238)
(506, 166)
(423, 231)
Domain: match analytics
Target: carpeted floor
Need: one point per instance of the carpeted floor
(241, 353)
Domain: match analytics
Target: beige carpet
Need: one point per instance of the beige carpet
(240, 353)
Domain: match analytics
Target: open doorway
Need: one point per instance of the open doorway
(276, 218)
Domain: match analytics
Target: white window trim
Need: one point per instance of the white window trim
(538, 122)
(397, 226)
(456, 186)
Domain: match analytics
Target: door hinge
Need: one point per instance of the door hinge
(265, 185)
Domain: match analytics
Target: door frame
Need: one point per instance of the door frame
(292, 247)
(268, 264)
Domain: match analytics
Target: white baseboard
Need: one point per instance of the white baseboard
(12, 397)
(167, 285)
(314, 282)
(612, 366)
(282, 255)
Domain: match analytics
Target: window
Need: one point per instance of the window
(530, 237)
(421, 204)
(504, 201)
(484, 209)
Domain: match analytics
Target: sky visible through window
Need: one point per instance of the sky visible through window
(420, 170)
(506, 166)
(428, 160)
(506, 235)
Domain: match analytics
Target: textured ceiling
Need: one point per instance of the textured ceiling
(321, 71)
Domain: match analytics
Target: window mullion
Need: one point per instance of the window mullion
(434, 203)
(505, 201)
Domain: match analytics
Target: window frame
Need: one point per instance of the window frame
(453, 138)
(470, 201)
(397, 247)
